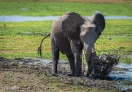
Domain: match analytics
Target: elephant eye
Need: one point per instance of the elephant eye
(82, 29)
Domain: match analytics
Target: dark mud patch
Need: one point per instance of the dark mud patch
(41, 67)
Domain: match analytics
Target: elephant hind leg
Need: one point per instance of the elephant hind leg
(72, 64)
(55, 57)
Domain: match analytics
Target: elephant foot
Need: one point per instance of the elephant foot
(71, 75)
(78, 75)
(54, 74)
(87, 75)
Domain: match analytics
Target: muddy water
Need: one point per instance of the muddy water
(39, 18)
(121, 71)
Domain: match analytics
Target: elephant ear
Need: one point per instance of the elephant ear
(99, 21)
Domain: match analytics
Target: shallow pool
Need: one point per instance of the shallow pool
(16, 18)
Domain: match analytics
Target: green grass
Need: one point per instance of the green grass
(117, 34)
(26, 28)
(116, 39)
(21, 39)
(59, 8)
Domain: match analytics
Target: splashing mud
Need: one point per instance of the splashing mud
(102, 65)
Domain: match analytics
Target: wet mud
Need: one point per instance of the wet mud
(120, 78)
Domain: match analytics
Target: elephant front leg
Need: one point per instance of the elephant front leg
(72, 64)
(78, 64)
(75, 47)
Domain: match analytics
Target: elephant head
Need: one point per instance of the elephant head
(90, 32)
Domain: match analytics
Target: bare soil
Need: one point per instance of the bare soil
(30, 75)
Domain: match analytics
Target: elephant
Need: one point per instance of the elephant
(70, 34)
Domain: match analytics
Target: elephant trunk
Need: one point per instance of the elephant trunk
(89, 54)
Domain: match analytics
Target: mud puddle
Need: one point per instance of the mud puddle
(121, 75)
(122, 72)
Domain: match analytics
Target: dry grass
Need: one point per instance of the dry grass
(87, 1)
(92, 1)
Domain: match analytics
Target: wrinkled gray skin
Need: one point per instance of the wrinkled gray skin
(70, 34)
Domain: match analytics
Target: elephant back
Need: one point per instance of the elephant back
(71, 24)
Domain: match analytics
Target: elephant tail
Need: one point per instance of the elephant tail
(40, 46)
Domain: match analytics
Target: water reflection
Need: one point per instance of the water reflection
(123, 72)
(42, 18)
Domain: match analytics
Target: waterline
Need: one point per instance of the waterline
(42, 18)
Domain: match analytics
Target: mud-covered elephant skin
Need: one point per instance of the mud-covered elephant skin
(70, 34)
